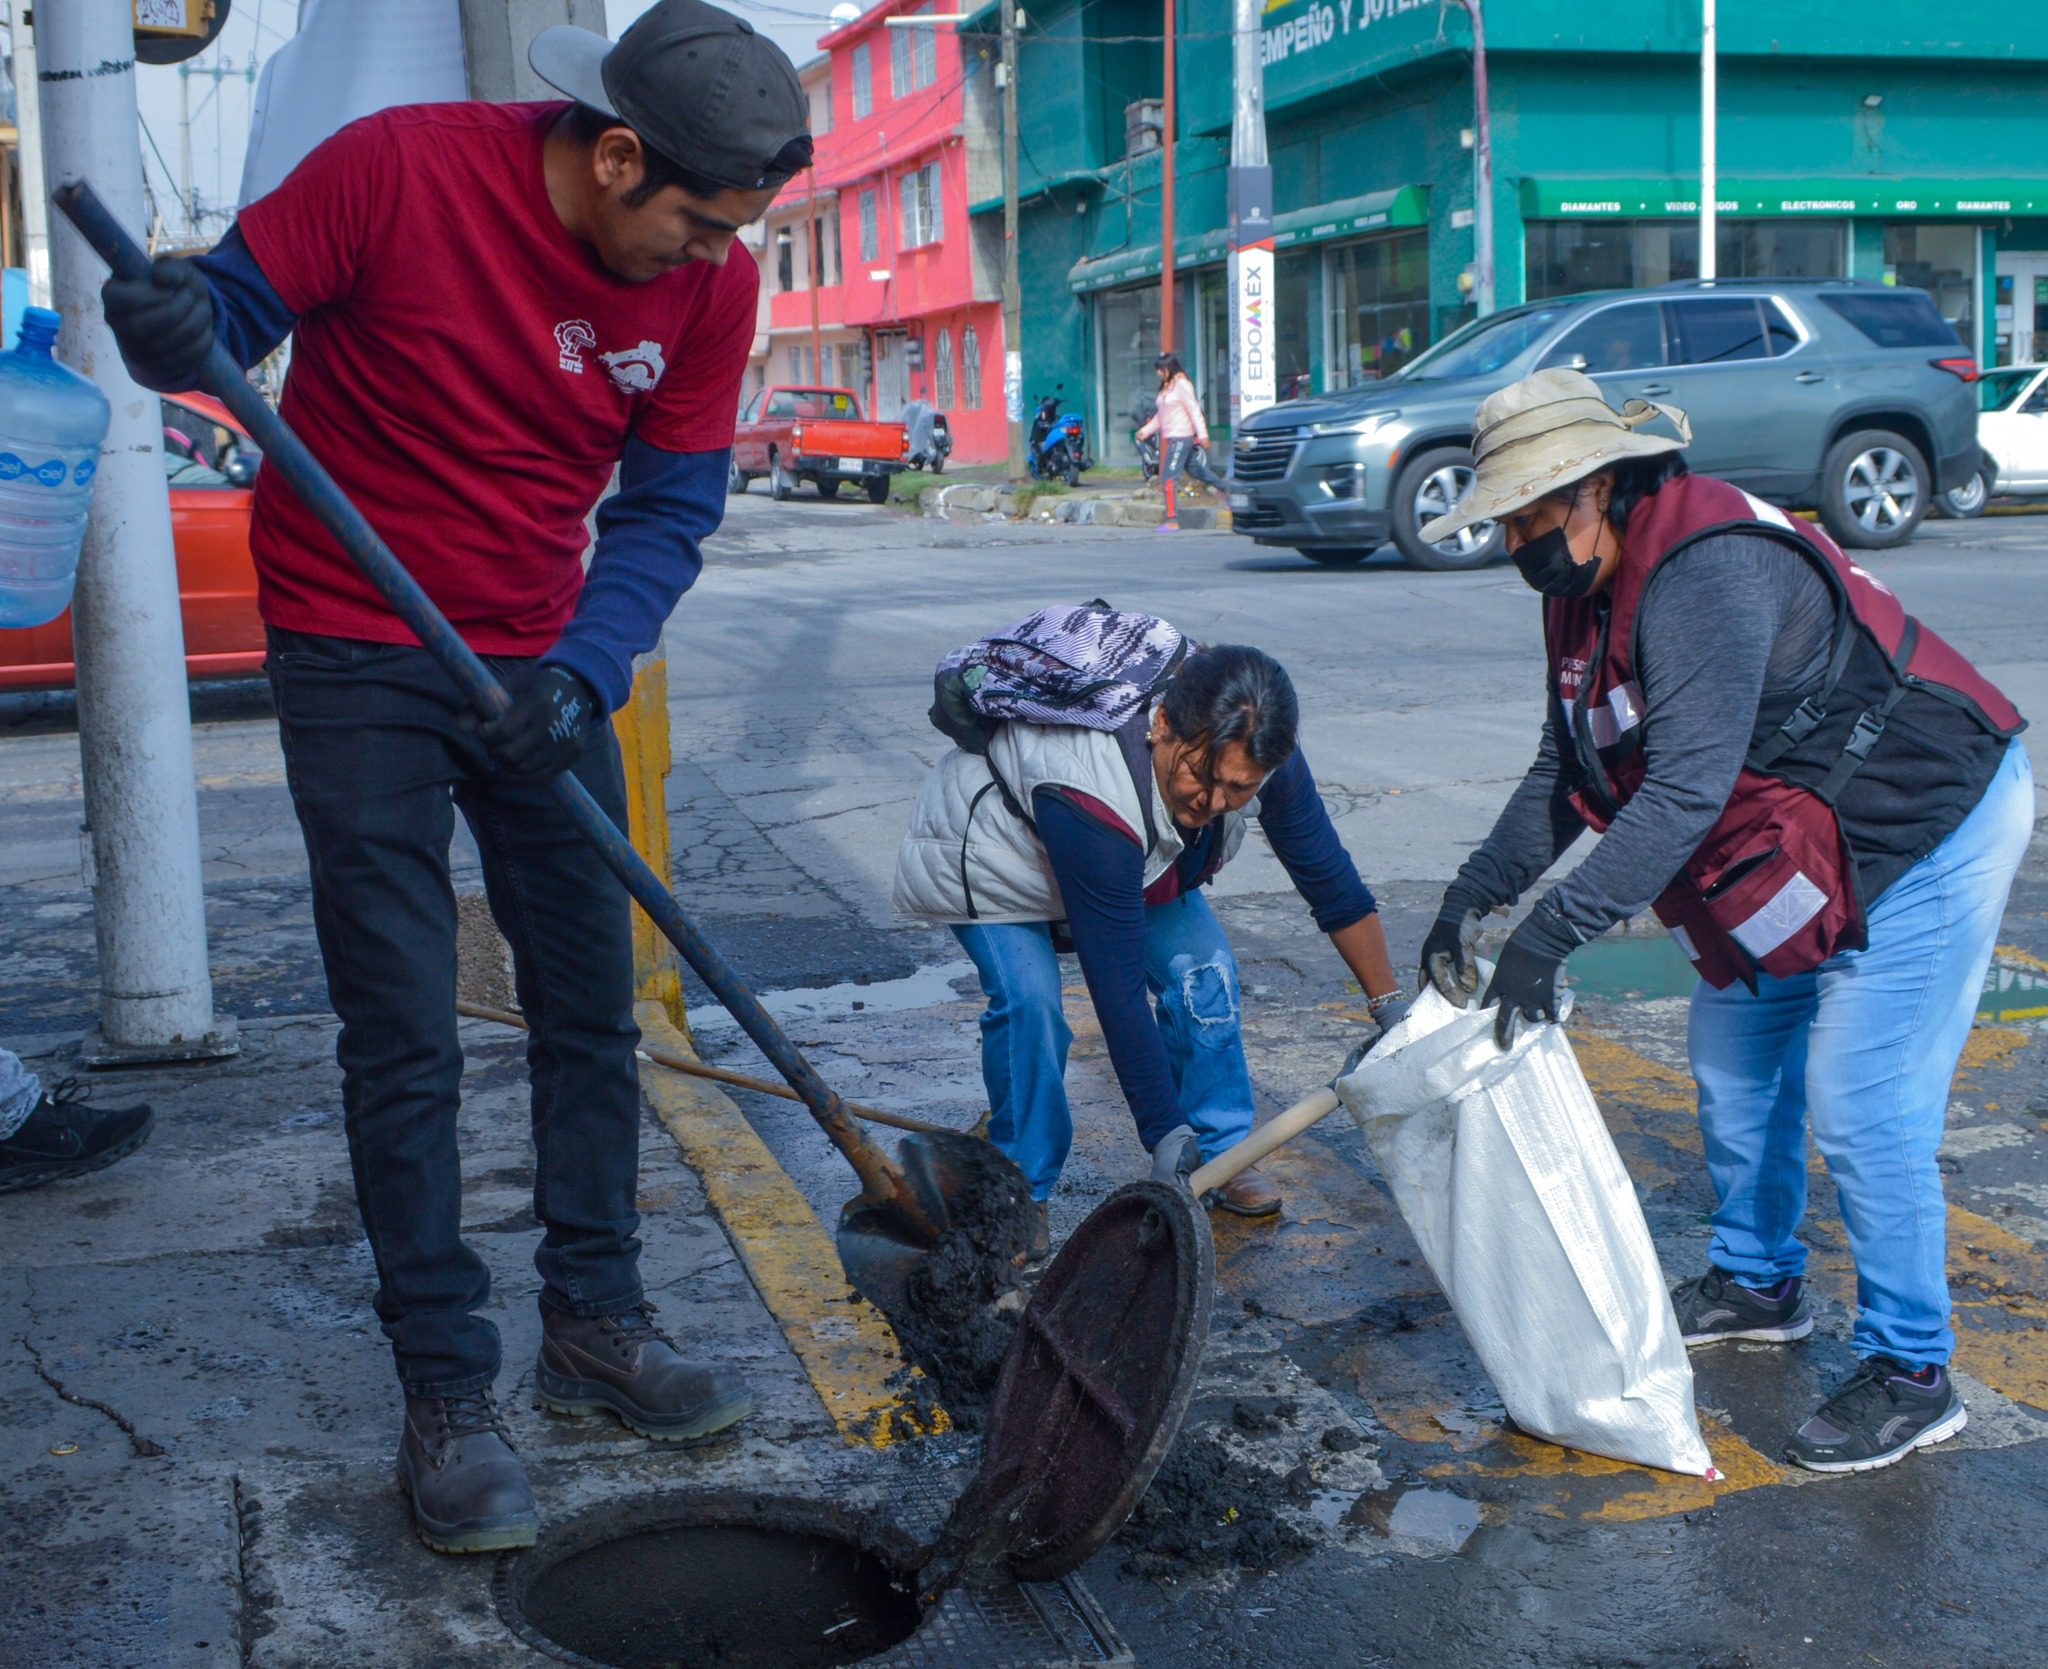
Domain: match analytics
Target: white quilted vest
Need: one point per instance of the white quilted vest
(969, 858)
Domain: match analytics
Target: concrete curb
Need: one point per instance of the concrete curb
(969, 501)
(846, 1346)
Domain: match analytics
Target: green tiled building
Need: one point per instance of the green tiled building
(1899, 140)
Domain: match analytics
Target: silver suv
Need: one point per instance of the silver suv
(1845, 396)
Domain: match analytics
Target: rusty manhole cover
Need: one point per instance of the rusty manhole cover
(1097, 1379)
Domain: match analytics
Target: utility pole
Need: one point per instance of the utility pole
(28, 157)
(811, 234)
(495, 34)
(1482, 168)
(185, 148)
(141, 841)
(1710, 177)
(1167, 123)
(1013, 306)
(1252, 387)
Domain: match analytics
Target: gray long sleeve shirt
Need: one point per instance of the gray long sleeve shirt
(1722, 625)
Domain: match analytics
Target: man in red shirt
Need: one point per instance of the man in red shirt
(492, 307)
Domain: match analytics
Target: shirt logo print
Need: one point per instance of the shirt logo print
(572, 336)
(636, 370)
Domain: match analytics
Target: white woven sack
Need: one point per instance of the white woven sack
(1510, 1183)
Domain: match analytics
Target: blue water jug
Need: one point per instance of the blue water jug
(52, 425)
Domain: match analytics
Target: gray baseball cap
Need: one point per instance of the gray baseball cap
(697, 84)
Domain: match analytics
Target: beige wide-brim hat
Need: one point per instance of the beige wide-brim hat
(1544, 433)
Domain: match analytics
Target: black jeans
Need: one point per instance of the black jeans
(377, 767)
(1181, 455)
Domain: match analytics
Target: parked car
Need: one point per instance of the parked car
(1842, 395)
(2012, 428)
(816, 435)
(211, 466)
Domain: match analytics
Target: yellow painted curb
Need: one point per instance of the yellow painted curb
(845, 1345)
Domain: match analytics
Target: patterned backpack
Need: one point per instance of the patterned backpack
(1083, 664)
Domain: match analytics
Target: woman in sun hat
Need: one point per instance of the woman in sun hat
(1826, 805)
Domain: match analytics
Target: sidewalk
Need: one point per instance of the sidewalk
(1095, 503)
(200, 1412)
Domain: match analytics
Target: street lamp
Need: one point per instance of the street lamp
(1482, 165)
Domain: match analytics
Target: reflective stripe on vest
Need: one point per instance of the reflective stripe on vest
(1783, 914)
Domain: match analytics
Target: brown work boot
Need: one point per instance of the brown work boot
(625, 1365)
(469, 1493)
(1248, 1194)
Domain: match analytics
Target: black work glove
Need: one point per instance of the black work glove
(1447, 959)
(1525, 977)
(541, 734)
(164, 323)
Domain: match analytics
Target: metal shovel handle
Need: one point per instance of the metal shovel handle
(286, 454)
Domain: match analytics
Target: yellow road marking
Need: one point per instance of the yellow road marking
(844, 1344)
(2025, 958)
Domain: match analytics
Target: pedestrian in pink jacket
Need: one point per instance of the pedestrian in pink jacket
(1182, 430)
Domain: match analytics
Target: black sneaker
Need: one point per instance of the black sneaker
(1716, 1306)
(1885, 1412)
(63, 1137)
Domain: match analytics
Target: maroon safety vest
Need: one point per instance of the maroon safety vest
(1773, 884)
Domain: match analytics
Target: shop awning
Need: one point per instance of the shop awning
(1561, 198)
(1406, 205)
(1127, 266)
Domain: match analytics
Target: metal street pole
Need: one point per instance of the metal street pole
(1251, 226)
(1013, 321)
(141, 845)
(28, 159)
(185, 148)
(1710, 176)
(1167, 123)
(1482, 168)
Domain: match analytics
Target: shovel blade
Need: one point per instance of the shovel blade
(975, 1197)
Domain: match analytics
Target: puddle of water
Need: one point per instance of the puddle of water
(1641, 969)
(926, 988)
(1431, 1520)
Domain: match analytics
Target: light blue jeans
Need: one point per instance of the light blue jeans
(1861, 1050)
(1024, 1035)
(19, 1093)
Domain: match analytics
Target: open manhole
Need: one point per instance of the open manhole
(713, 1582)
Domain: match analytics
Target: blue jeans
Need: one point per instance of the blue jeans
(19, 1092)
(378, 768)
(1861, 1050)
(1024, 1036)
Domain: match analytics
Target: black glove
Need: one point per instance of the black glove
(164, 323)
(1447, 961)
(541, 734)
(1525, 977)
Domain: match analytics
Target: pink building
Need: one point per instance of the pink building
(910, 306)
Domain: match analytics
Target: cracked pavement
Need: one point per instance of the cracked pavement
(209, 1296)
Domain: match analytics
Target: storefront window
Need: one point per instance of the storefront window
(1942, 260)
(1567, 256)
(1379, 306)
(1291, 325)
(1127, 327)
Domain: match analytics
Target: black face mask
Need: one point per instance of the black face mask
(1547, 566)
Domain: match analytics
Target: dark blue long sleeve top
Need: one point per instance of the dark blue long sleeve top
(649, 532)
(1100, 868)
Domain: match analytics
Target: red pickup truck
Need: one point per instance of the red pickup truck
(816, 435)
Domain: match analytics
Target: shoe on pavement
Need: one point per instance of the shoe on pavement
(1248, 1194)
(1716, 1306)
(1882, 1414)
(625, 1365)
(469, 1493)
(63, 1137)
(1040, 1245)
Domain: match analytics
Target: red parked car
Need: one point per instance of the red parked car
(211, 463)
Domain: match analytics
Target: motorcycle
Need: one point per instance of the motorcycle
(1058, 444)
(930, 437)
(1148, 448)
